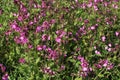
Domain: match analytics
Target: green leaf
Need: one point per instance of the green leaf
(37, 60)
(101, 75)
(78, 78)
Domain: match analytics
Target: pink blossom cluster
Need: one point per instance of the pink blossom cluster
(104, 63)
(85, 67)
(52, 54)
(47, 70)
(95, 4)
(60, 34)
(3, 70)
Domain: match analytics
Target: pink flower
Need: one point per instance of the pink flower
(96, 1)
(95, 47)
(38, 29)
(21, 60)
(95, 7)
(20, 18)
(85, 66)
(83, 74)
(92, 27)
(31, 22)
(117, 33)
(110, 66)
(13, 26)
(45, 25)
(105, 4)
(110, 45)
(22, 8)
(53, 55)
(58, 39)
(83, 5)
(8, 32)
(49, 50)
(109, 49)
(106, 47)
(44, 47)
(103, 38)
(86, 21)
(16, 15)
(97, 52)
(85, 69)
(39, 48)
(48, 71)
(98, 66)
(52, 21)
(60, 33)
(115, 6)
(105, 63)
(3, 68)
(43, 5)
(79, 58)
(5, 76)
(76, 0)
(21, 39)
(62, 67)
(89, 4)
(30, 46)
(45, 37)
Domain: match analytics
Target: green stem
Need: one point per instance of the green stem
(99, 74)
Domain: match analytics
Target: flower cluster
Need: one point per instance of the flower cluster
(3, 70)
(85, 67)
(104, 63)
(48, 71)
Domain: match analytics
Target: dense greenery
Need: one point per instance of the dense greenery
(59, 39)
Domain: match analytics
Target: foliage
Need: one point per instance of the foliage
(60, 39)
